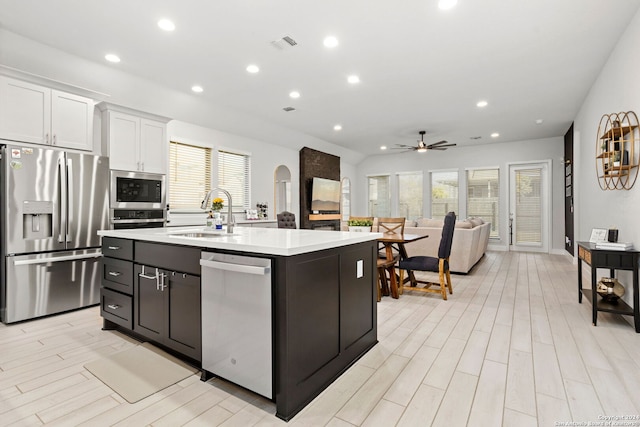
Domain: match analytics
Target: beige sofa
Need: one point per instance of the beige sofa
(470, 240)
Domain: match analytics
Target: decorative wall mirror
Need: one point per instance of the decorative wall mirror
(282, 189)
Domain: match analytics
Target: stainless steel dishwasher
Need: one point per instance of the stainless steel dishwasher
(236, 320)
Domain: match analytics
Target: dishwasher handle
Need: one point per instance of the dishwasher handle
(238, 268)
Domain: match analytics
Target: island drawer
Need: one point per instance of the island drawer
(116, 308)
(117, 248)
(169, 257)
(117, 274)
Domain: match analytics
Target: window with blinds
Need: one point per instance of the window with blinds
(234, 176)
(189, 175)
(410, 195)
(483, 197)
(444, 193)
(379, 196)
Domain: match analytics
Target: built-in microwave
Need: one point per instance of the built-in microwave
(137, 190)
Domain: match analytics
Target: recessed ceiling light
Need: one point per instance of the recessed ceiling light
(166, 25)
(330, 42)
(253, 69)
(495, 135)
(539, 121)
(383, 147)
(112, 58)
(353, 79)
(337, 127)
(197, 89)
(447, 4)
(482, 104)
(294, 94)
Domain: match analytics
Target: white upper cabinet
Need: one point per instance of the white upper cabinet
(136, 141)
(40, 115)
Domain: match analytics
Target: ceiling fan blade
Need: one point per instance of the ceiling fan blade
(438, 143)
(436, 148)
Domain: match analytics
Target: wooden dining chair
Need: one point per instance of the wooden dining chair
(391, 225)
(387, 266)
(438, 265)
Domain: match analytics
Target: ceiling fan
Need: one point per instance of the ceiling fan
(422, 147)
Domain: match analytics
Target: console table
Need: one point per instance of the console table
(612, 260)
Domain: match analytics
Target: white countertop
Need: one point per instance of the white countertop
(270, 241)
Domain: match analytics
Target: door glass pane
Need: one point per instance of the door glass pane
(379, 196)
(444, 193)
(483, 197)
(528, 206)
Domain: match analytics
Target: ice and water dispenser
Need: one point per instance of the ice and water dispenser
(37, 219)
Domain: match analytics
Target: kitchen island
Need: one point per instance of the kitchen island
(323, 304)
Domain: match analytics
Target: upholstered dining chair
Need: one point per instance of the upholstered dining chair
(438, 265)
(286, 220)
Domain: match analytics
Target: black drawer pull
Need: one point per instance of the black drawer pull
(115, 273)
(113, 306)
(113, 248)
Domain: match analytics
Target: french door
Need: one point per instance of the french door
(529, 204)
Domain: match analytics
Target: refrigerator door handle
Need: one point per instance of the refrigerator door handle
(69, 198)
(62, 201)
(56, 259)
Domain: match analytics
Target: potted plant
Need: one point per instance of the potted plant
(616, 159)
(360, 225)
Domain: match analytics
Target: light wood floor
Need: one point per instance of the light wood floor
(510, 347)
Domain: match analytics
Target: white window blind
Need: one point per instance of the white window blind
(234, 176)
(483, 197)
(189, 175)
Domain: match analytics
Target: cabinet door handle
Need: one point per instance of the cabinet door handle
(46, 138)
(113, 306)
(114, 273)
(113, 248)
(54, 139)
(146, 276)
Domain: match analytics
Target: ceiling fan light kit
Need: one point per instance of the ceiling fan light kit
(422, 147)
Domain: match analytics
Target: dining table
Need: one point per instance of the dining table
(397, 241)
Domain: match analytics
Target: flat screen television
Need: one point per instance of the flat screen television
(325, 195)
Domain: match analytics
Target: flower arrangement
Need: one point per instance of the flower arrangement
(217, 204)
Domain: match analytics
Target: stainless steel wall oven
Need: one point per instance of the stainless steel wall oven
(137, 200)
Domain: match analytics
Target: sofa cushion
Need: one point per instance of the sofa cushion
(475, 221)
(463, 223)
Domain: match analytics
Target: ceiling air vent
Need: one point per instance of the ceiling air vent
(284, 42)
(287, 109)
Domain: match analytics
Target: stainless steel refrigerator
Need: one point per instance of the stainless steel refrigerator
(52, 203)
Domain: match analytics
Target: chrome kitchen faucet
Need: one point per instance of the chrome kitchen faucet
(207, 202)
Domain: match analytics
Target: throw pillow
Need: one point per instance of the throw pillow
(463, 223)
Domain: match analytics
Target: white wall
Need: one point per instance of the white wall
(617, 89)
(486, 155)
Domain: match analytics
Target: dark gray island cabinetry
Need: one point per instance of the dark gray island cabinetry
(161, 298)
(323, 299)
